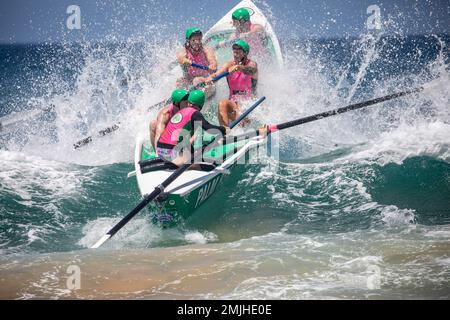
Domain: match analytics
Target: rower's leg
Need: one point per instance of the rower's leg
(152, 132)
(182, 158)
(244, 121)
(227, 112)
(208, 90)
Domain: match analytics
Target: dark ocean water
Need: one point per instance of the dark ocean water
(362, 191)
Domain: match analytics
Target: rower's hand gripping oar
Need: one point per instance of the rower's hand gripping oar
(199, 66)
(114, 127)
(277, 127)
(160, 189)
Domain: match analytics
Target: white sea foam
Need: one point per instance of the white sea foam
(138, 233)
(424, 139)
(200, 237)
(29, 176)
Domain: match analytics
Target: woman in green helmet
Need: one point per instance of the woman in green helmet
(254, 34)
(242, 82)
(179, 101)
(194, 51)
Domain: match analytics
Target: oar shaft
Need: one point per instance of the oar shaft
(158, 190)
(246, 112)
(195, 65)
(150, 197)
(276, 127)
(159, 104)
(199, 66)
(220, 76)
(342, 110)
(101, 133)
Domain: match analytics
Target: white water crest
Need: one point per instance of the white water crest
(28, 176)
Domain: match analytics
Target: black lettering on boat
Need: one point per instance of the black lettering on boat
(199, 196)
(207, 190)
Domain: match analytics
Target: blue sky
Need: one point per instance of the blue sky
(25, 21)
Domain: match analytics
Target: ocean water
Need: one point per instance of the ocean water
(356, 206)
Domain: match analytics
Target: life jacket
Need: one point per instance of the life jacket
(171, 135)
(200, 58)
(240, 85)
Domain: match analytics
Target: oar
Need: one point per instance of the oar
(277, 127)
(15, 117)
(246, 112)
(195, 65)
(160, 189)
(114, 127)
(199, 66)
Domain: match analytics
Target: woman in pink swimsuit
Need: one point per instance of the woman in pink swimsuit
(242, 82)
(195, 52)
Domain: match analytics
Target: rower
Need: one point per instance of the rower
(179, 138)
(242, 82)
(254, 34)
(195, 52)
(157, 126)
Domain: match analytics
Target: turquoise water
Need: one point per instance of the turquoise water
(355, 206)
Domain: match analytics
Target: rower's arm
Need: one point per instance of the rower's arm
(211, 57)
(181, 55)
(198, 117)
(222, 69)
(256, 29)
(250, 69)
(161, 122)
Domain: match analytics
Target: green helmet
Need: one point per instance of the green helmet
(178, 95)
(197, 98)
(243, 45)
(191, 31)
(241, 13)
